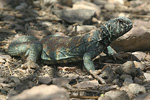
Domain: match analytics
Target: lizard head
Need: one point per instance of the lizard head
(115, 28)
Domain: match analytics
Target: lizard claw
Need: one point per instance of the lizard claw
(29, 65)
(121, 55)
(94, 74)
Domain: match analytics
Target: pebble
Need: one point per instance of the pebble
(145, 96)
(124, 76)
(127, 68)
(107, 75)
(82, 29)
(87, 5)
(104, 98)
(127, 81)
(117, 95)
(45, 80)
(139, 55)
(87, 84)
(139, 65)
(147, 76)
(136, 88)
(22, 6)
(83, 16)
(109, 6)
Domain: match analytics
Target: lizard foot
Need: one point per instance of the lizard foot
(94, 74)
(30, 65)
(121, 55)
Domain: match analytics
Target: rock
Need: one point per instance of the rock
(138, 55)
(145, 96)
(42, 92)
(15, 79)
(116, 1)
(87, 84)
(4, 58)
(135, 40)
(66, 2)
(100, 2)
(134, 89)
(117, 82)
(87, 5)
(2, 80)
(107, 75)
(127, 68)
(139, 65)
(109, 6)
(61, 81)
(81, 29)
(45, 80)
(137, 80)
(37, 33)
(76, 16)
(117, 95)
(22, 6)
(104, 98)
(136, 3)
(124, 76)
(8, 18)
(127, 81)
(147, 76)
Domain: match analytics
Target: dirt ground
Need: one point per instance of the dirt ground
(39, 18)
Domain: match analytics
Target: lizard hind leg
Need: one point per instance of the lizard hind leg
(26, 46)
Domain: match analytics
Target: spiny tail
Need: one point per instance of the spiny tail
(20, 46)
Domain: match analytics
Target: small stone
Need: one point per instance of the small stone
(9, 18)
(104, 98)
(127, 81)
(139, 55)
(45, 80)
(100, 2)
(87, 5)
(22, 6)
(83, 16)
(147, 76)
(127, 68)
(117, 95)
(109, 6)
(61, 81)
(4, 58)
(139, 65)
(82, 29)
(123, 76)
(15, 79)
(145, 96)
(117, 82)
(2, 80)
(87, 84)
(137, 80)
(135, 89)
(107, 75)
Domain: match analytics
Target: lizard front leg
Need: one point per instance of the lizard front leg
(111, 52)
(89, 65)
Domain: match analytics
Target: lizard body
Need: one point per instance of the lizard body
(59, 49)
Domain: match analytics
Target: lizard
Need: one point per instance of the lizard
(55, 49)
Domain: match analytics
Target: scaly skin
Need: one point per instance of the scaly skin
(58, 49)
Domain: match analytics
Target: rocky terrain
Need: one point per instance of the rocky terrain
(127, 77)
